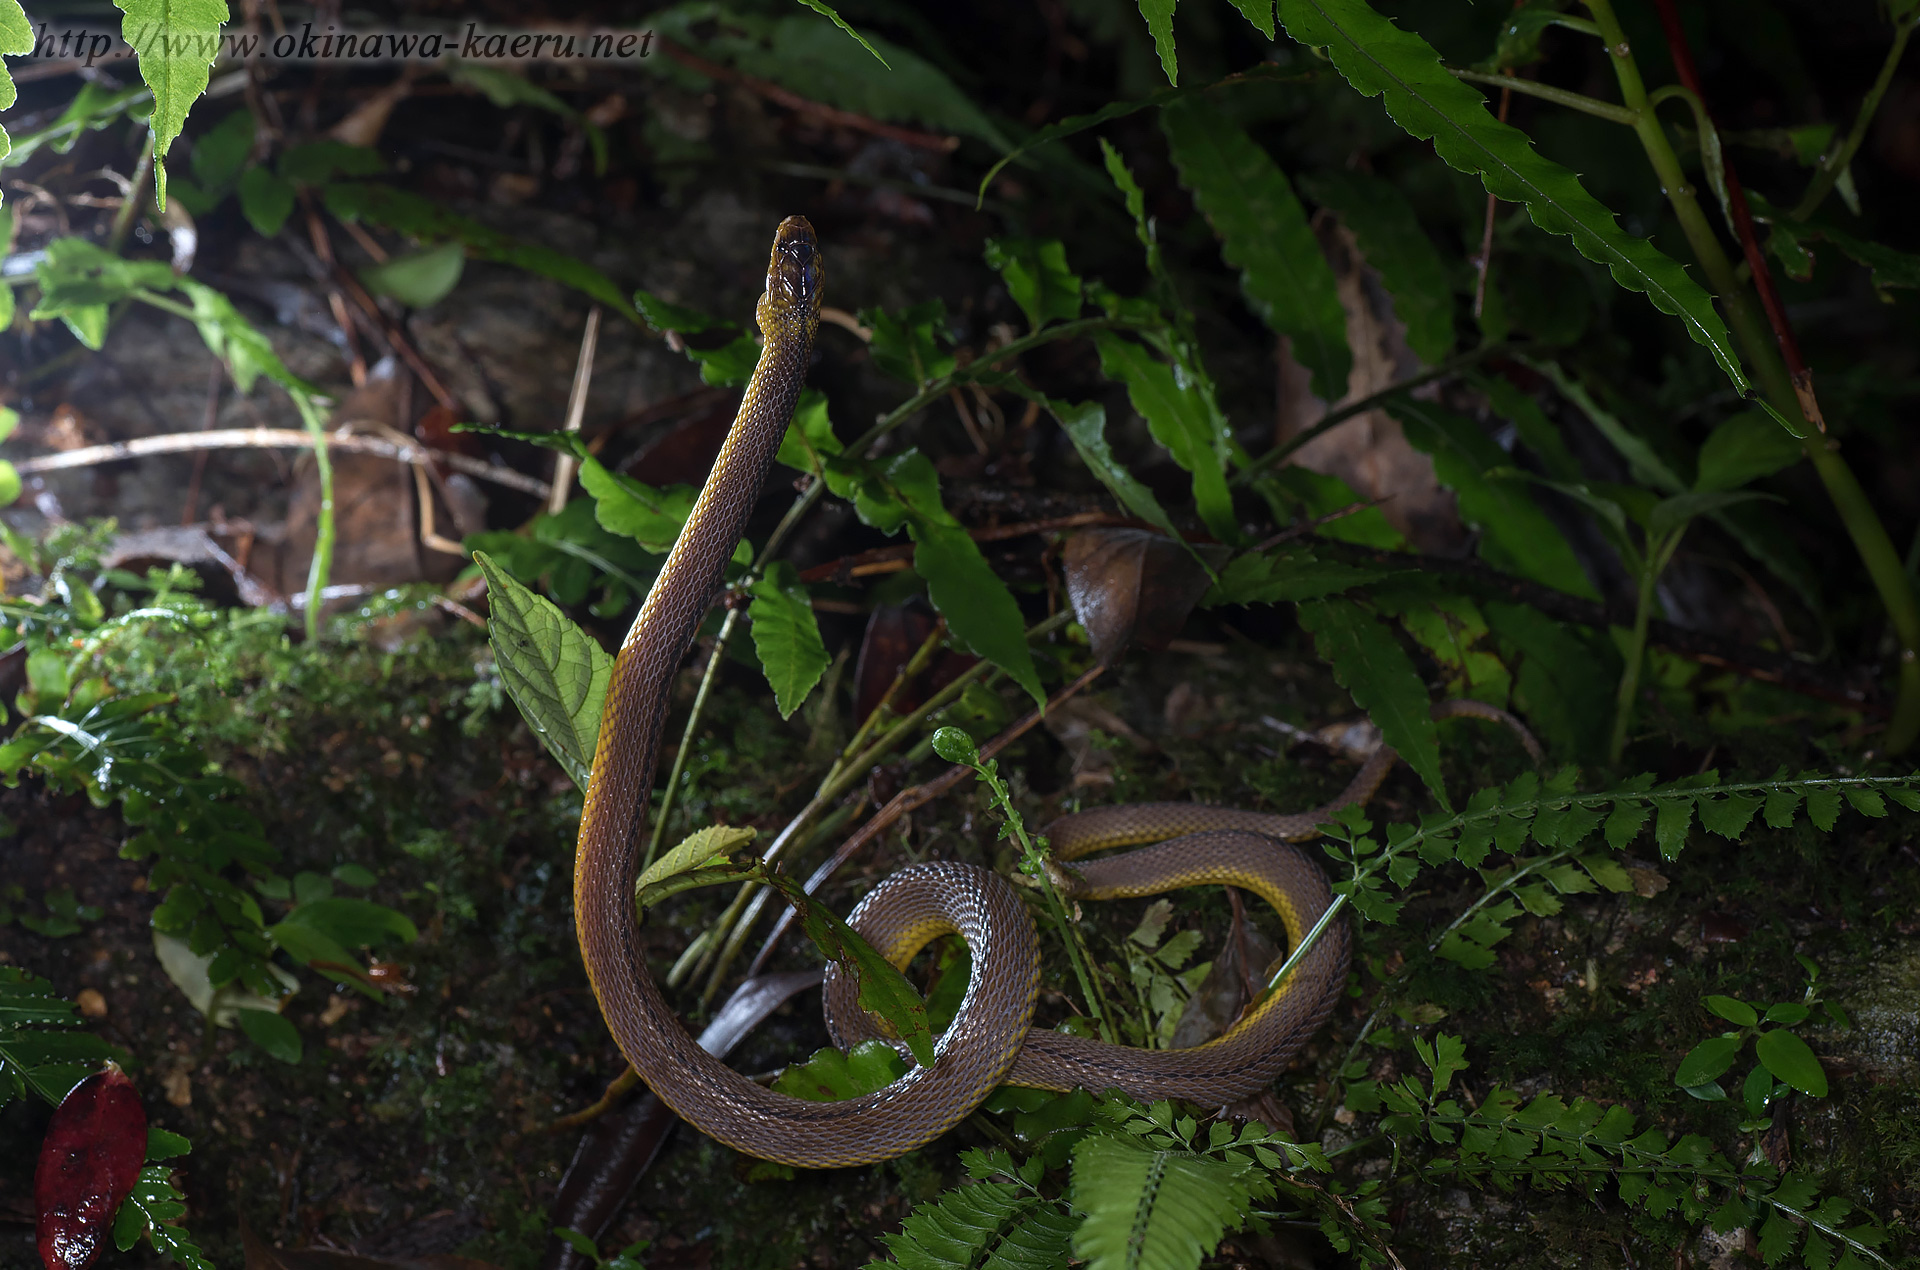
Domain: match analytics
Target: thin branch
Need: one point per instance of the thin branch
(565, 465)
(277, 439)
(1836, 161)
(1558, 96)
(1735, 198)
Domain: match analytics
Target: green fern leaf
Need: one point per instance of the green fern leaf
(1154, 1209)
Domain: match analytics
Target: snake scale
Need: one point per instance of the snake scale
(990, 1041)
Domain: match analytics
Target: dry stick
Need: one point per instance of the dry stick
(200, 456)
(912, 799)
(336, 296)
(278, 439)
(806, 106)
(1484, 264)
(1742, 217)
(564, 464)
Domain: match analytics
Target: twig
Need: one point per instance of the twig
(1484, 264)
(1836, 161)
(1339, 415)
(1742, 218)
(200, 457)
(806, 106)
(564, 464)
(863, 563)
(130, 205)
(277, 439)
(912, 799)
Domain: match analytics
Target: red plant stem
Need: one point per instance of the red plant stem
(1742, 217)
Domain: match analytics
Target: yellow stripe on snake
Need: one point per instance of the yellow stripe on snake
(991, 1040)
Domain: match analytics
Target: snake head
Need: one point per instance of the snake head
(794, 276)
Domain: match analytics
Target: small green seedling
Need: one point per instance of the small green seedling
(1785, 1061)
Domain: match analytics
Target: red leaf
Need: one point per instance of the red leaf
(89, 1162)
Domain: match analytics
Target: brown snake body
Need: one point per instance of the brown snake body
(990, 1041)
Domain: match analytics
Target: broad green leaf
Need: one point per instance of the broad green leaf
(1517, 535)
(1535, 430)
(1787, 1056)
(1707, 1060)
(1670, 514)
(353, 923)
(9, 484)
(662, 315)
(1037, 277)
(1177, 415)
(272, 1033)
(1085, 424)
(1159, 19)
(177, 42)
(1369, 663)
(1150, 1209)
(420, 217)
(697, 850)
(238, 342)
(219, 154)
(16, 38)
(1286, 575)
(75, 274)
(981, 613)
(1378, 58)
(324, 161)
(830, 1076)
(907, 344)
(1258, 12)
(651, 517)
(1744, 448)
(1263, 232)
(418, 279)
(885, 993)
(809, 442)
(814, 60)
(786, 637)
(1382, 221)
(556, 673)
(266, 200)
(1732, 1009)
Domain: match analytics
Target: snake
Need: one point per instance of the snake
(991, 1040)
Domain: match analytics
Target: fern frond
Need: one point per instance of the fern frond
(1155, 1209)
(39, 1046)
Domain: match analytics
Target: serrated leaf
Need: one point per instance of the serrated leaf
(556, 673)
(1179, 418)
(418, 279)
(1517, 534)
(1382, 221)
(176, 42)
(698, 849)
(272, 1033)
(1264, 233)
(1037, 277)
(1672, 818)
(1286, 576)
(1381, 60)
(1085, 424)
(1369, 663)
(809, 442)
(786, 636)
(981, 613)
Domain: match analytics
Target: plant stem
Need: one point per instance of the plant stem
(686, 735)
(1836, 160)
(1037, 864)
(1863, 523)
(130, 206)
(1558, 96)
(1339, 415)
(1630, 673)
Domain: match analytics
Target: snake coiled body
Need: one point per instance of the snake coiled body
(990, 1041)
